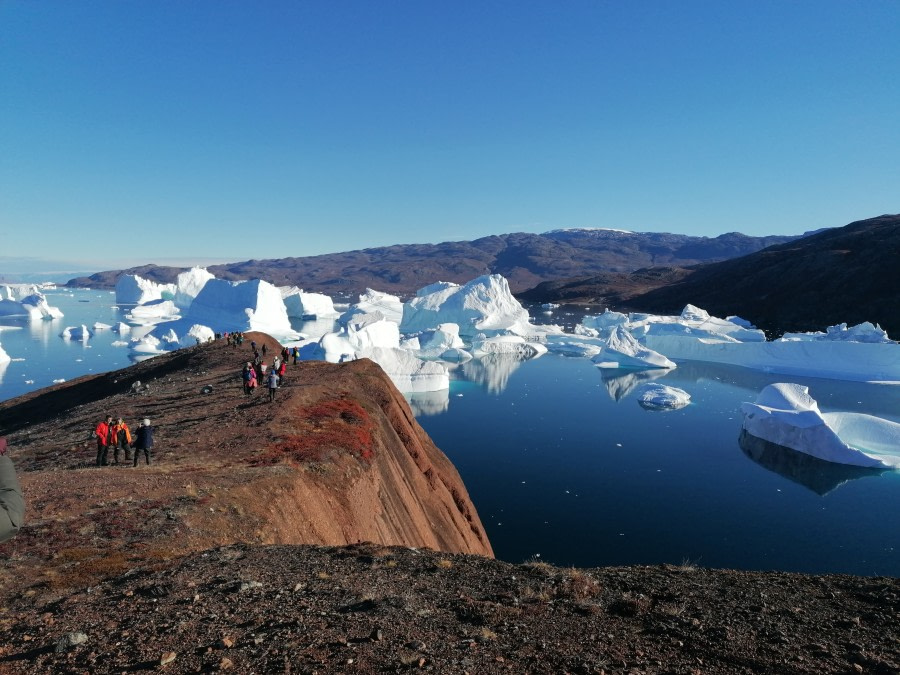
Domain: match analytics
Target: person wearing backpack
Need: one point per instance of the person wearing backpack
(12, 505)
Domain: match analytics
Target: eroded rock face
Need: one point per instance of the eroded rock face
(337, 459)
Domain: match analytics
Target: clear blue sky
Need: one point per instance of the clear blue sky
(147, 131)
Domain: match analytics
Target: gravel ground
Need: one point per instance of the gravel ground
(373, 609)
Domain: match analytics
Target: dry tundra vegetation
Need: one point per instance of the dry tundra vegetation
(187, 566)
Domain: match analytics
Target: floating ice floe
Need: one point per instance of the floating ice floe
(121, 328)
(864, 332)
(483, 305)
(4, 357)
(303, 305)
(81, 333)
(786, 415)
(861, 353)
(656, 396)
(101, 326)
(624, 351)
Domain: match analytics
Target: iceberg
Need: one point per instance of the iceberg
(81, 333)
(443, 343)
(658, 396)
(197, 334)
(26, 299)
(4, 357)
(364, 331)
(189, 284)
(239, 306)
(483, 305)
(786, 415)
(625, 351)
(303, 305)
(864, 332)
(153, 311)
(121, 328)
(408, 373)
(507, 344)
(134, 290)
(389, 306)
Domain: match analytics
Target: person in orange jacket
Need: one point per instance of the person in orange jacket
(121, 438)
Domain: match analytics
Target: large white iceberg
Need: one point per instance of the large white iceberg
(26, 299)
(4, 357)
(362, 332)
(785, 414)
(239, 305)
(134, 290)
(303, 305)
(189, 284)
(483, 305)
(389, 306)
(407, 372)
(623, 350)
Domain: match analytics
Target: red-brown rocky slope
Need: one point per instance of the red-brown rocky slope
(337, 459)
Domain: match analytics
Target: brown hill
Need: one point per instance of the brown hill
(848, 274)
(337, 459)
(524, 259)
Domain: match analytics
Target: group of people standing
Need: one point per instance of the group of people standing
(117, 435)
(255, 372)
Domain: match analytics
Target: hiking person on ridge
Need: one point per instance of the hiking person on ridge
(12, 506)
(103, 432)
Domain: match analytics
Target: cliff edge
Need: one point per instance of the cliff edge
(337, 459)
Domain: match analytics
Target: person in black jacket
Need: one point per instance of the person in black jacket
(143, 440)
(12, 506)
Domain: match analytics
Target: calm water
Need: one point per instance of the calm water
(563, 463)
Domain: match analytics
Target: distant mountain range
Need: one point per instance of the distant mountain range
(524, 259)
(848, 274)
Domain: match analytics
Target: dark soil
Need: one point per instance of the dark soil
(372, 609)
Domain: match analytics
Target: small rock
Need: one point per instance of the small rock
(167, 657)
(377, 635)
(70, 640)
(422, 662)
(226, 642)
(225, 664)
(416, 645)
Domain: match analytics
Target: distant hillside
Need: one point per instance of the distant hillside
(849, 274)
(524, 259)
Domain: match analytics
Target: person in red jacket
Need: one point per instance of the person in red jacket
(103, 432)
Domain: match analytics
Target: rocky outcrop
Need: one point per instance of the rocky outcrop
(337, 459)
